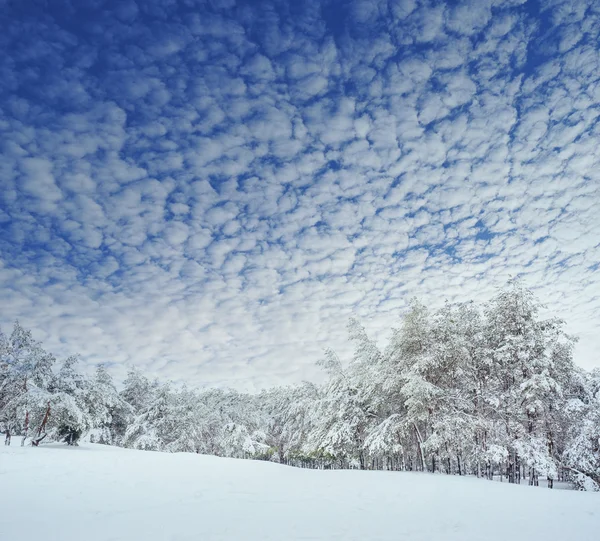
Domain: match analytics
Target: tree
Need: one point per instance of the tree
(70, 412)
(469, 389)
(582, 450)
(109, 411)
(25, 375)
(531, 361)
(138, 391)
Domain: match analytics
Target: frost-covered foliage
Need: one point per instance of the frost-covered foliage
(36, 400)
(489, 390)
(582, 453)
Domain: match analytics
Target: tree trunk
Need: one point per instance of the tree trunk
(26, 426)
(36, 441)
(420, 445)
(25, 429)
(550, 438)
(511, 468)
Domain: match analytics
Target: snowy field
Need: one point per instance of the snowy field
(99, 493)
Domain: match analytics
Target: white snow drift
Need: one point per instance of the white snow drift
(101, 493)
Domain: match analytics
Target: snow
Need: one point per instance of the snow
(101, 493)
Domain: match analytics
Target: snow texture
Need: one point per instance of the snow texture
(102, 493)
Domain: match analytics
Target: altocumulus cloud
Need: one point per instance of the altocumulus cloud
(209, 189)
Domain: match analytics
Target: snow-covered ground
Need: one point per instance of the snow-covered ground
(99, 493)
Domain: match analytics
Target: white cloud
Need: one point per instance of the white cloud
(38, 181)
(213, 199)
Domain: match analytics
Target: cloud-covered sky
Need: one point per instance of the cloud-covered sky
(209, 189)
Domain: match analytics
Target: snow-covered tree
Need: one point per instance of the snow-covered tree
(138, 391)
(70, 417)
(286, 419)
(25, 376)
(531, 364)
(582, 449)
(485, 389)
(109, 411)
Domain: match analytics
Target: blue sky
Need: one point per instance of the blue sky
(208, 190)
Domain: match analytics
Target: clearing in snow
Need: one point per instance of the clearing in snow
(101, 493)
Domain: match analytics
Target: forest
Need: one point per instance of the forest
(488, 390)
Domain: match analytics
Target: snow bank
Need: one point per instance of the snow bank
(100, 493)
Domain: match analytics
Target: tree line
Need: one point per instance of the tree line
(488, 390)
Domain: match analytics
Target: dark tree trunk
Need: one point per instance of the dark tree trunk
(25, 429)
(36, 441)
(26, 425)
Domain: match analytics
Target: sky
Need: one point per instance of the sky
(208, 190)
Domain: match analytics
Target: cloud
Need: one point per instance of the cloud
(38, 182)
(210, 191)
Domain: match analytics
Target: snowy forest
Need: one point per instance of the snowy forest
(488, 390)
